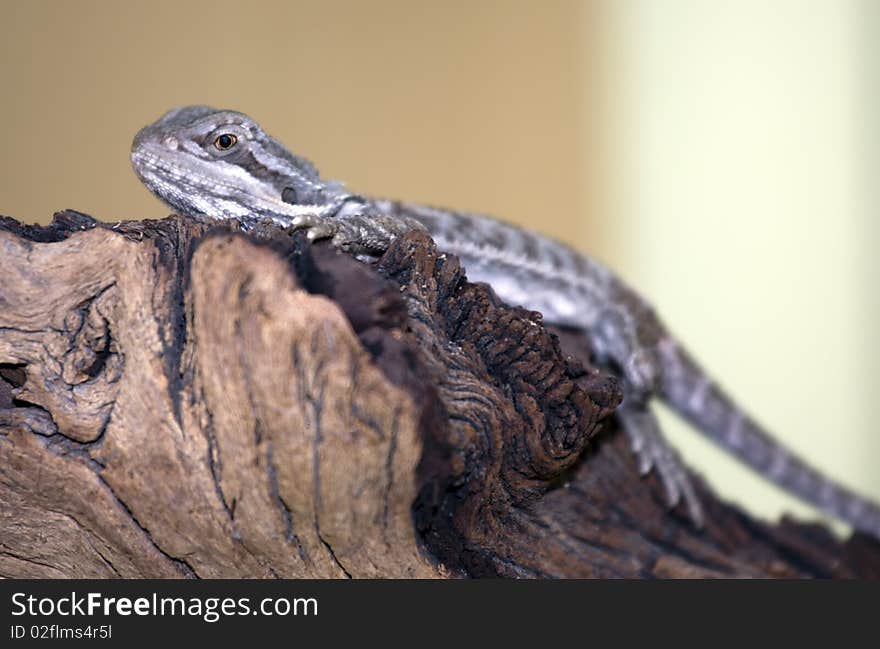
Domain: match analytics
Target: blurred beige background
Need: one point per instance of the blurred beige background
(720, 155)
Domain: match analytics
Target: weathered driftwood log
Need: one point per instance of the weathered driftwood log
(182, 400)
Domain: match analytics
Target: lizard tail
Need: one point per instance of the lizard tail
(688, 390)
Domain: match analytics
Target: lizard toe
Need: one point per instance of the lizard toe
(653, 452)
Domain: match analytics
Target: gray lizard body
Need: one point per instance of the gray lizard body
(220, 164)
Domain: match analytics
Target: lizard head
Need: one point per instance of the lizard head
(221, 164)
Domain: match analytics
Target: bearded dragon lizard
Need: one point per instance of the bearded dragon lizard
(220, 164)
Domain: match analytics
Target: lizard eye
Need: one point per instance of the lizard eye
(225, 141)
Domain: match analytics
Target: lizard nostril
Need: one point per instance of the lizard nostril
(172, 143)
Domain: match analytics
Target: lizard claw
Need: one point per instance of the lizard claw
(653, 452)
(316, 226)
(302, 222)
(322, 231)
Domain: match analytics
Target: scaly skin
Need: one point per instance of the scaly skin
(221, 164)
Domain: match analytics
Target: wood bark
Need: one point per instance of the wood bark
(180, 399)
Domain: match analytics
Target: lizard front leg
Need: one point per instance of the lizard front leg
(358, 232)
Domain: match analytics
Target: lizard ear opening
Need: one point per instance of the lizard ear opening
(288, 195)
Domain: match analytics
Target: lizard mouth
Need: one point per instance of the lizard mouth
(150, 166)
(185, 187)
(217, 189)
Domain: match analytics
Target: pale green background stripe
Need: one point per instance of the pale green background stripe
(746, 201)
